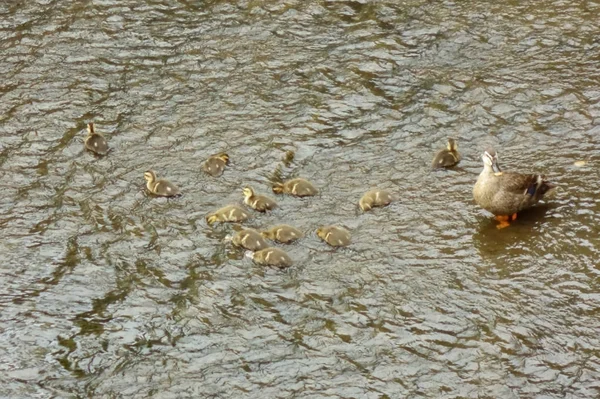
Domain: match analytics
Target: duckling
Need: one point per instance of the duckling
(272, 257)
(95, 142)
(334, 235)
(160, 187)
(447, 157)
(504, 193)
(373, 198)
(298, 187)
(260, 203)
(282, 233)
(215, 164)
(250, 239)
(230, 213)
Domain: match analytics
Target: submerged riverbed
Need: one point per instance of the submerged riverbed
(107, 292)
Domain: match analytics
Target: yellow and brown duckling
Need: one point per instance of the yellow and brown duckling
(272, 257)
(447, 157)
(160, 187)
(298, 187)
(95, 142)
(229, 213)
(215, 164)
(260, 203)
(283, 233)
(334, 235)
(250, 239)
(504, 193)
(374, 198)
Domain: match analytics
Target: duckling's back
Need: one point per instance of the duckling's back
(95, 142)
(445, 159)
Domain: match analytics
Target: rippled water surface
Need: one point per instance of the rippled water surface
(107, 292)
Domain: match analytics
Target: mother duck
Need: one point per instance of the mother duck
(505, 194)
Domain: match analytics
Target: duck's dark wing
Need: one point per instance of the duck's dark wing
(517, 183)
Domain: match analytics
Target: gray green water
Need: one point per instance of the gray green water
(107, 293)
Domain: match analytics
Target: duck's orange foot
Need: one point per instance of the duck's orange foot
(504, 220)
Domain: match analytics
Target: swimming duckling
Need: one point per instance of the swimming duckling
(260, 203)
(215, 164)
(272, 257)
(334, 235)
(447, 157)
(230, 213)
(160, 187)
(282, 233)
(250, 239)
(298, 187)
(373, 198)
(95, 142)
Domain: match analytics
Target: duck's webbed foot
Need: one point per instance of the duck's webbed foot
(505, 220)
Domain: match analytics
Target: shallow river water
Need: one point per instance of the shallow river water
(109, 293)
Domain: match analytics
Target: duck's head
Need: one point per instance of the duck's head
(365, 203)
(278, 188)
(490, 158)
(149, 175)
(452, 144)
(90, 128)
(223, 157)
(248, 192)
(321, 232)
(237, 239)
(210, 219)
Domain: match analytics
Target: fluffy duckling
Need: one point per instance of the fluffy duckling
(283, 233)
(447, 157)
(250, 239)
(215, 164)
(373, 198)
(272, 257)
(334, 235)
(260, 203)
(230, 213)
(95, 142)
(298, 187)
(160, 187)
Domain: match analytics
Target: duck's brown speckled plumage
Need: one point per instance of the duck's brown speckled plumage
(506, 193)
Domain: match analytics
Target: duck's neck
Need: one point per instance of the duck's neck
(150, 185)
(487, 170)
